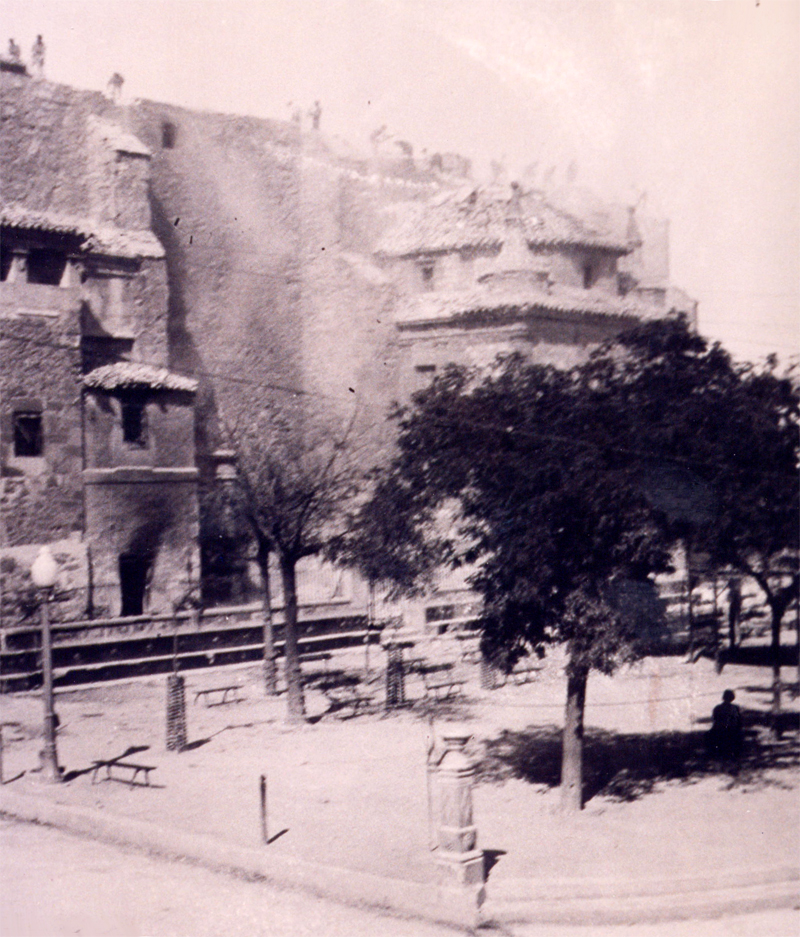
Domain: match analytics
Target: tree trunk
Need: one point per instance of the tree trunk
(572, 743)
(734, 611)
(270, 669)
(296, 707)
(777, 615)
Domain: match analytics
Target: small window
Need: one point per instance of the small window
(169, 135)
(134, 423)
(45, 266)
(28, 434)
(588, 276)
(425, 368)
(426, 273)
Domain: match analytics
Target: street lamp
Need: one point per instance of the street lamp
(43, 574)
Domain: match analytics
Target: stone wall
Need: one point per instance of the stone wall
(19, 601)
(40, 371)
(224, 198)
(130, 511)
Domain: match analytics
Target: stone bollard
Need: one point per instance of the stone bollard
(176, 713)
(459, 862)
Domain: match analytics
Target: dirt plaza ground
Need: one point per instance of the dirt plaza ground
(351, 791)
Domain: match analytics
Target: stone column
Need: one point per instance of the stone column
(459, 861)
(18, 270)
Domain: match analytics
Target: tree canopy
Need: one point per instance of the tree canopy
(295, 473)
(548, 482)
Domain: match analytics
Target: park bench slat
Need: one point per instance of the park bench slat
(442, 683)
(136, 770)
(226, 691)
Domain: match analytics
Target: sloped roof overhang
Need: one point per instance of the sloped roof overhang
(131, 376)
(480, 305)
(94, 238)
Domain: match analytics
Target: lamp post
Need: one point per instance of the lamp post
(43, 574)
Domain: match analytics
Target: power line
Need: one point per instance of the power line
(450, 424)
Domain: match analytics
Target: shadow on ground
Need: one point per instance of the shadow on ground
(627, 766)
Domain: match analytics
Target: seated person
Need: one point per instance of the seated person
(726, 736)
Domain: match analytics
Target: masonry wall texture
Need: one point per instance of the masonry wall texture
(224, 199)
(75, 186)
(256, 257)
(40, 370)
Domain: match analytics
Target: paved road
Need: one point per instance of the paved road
(53, 884)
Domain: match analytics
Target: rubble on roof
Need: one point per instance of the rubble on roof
(118, 139)
(478, 217)
(130, 375)
(95, 237)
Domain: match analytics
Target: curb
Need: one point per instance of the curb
(513, 901)
(450, 906)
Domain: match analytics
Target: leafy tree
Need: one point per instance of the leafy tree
(295, 473)
(555, 485)
(734, 428)
(540, 501)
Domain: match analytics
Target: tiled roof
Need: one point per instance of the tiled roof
(513, 302)
(95, 237)
(129, 375)
(476, 218)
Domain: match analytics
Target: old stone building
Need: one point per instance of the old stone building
(96, 436)
(151, 251)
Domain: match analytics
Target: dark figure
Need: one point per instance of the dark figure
(37, 56)
(725, 736)
(14, 52)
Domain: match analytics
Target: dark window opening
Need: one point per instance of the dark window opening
(133, 572)
(28, 434)
(5, 263)
(46, 266)
(169, 135)
(134, 423)
(588, 276)
(425, 368)
(426, 272)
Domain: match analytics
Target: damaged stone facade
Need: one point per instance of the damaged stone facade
(83, 288)
(265, 264)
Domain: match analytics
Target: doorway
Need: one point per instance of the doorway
(133, 575)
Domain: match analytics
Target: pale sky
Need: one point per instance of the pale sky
(691, 107)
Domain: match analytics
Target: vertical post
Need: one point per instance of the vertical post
(431, 764)
(459, 862)
(2, 780)
(263, 801)
(718, 662)
(51, 771)
(395, 678)
(176, 713)
(489, 674)
(370, 618)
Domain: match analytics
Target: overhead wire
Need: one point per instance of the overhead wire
(489, 427)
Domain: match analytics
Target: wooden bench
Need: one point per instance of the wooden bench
(134, 771)
(524, 672)
(227, 694)
(349, 699)
(442, 684)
